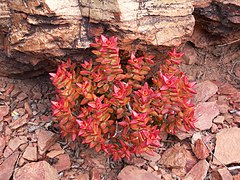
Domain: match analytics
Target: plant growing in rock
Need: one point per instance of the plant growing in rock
(114, 109)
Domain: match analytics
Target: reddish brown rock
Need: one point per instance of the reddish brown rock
(28, 109)
(174, 157)
(200, 149)
(199, 171)
(153, 158)
(205, 90)
(17, 142)
(219, 119)
(227, 89)
(72, 25)
(223, 108)
(96, 174)
(63, 162)
(22, 96)
(191, 161)
(227, 146)
(205, 113)
(237, 119)
(236, 177)
(221, 174)
(190, 54)
(21, 121)
(30, 153)
(4, 109)
(37, 171)
(2, 144)
(134, 173)
(45, 140)
(82, 177)
(7, 167)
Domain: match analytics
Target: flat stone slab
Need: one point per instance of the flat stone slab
(227, 146)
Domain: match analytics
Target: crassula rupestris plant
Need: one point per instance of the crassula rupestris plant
(114, 109)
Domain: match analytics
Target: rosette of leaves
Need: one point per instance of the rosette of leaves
(115, 110)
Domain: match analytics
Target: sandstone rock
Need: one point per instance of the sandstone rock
(199, 171)
(2, 144)
(19, 122)
(7, 166)
(96, 173)
(36, 170)
(205, 112)
(45, 140)
(4, 109)
(28, 108)
(219, 18)
(205, 90)
(134, 173)
(30, 153)
(200, 149)
(223, 108)
(55, 153)
(236, 177)
(63, 162)
(82, 177)
(174, 157)
(16, 142)
(227, 89)
(191, 160)
(221, 174)
(219, 120)
(190, 54)
(50, 30)
(227, 146)
(153, 158)
(137, 161)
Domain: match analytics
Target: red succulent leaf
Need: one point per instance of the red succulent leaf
(174, 54)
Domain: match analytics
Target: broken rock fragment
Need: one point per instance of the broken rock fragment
(227, 146)
(36, 170)
(198, 172)
(204, 90)
(134, 173)
(205, 113)
(45, 140)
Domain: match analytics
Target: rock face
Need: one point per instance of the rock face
(219, 20)
(36, 32)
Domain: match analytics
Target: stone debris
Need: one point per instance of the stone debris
(7, 167)
(134, 173)
(45, 140)
(63, 162)
(21, 121)
(221, 174)
(200, 149)
(2, 144)
(227, 146)
(153, 158)
(205, 113)
(198, 172)
(17, 142)
(219, 119)
(4, 109)
(30, 153)
(174, 157)
(37, 171)
(205, 90)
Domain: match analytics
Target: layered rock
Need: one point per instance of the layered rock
(217, 22)
(35, 33)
